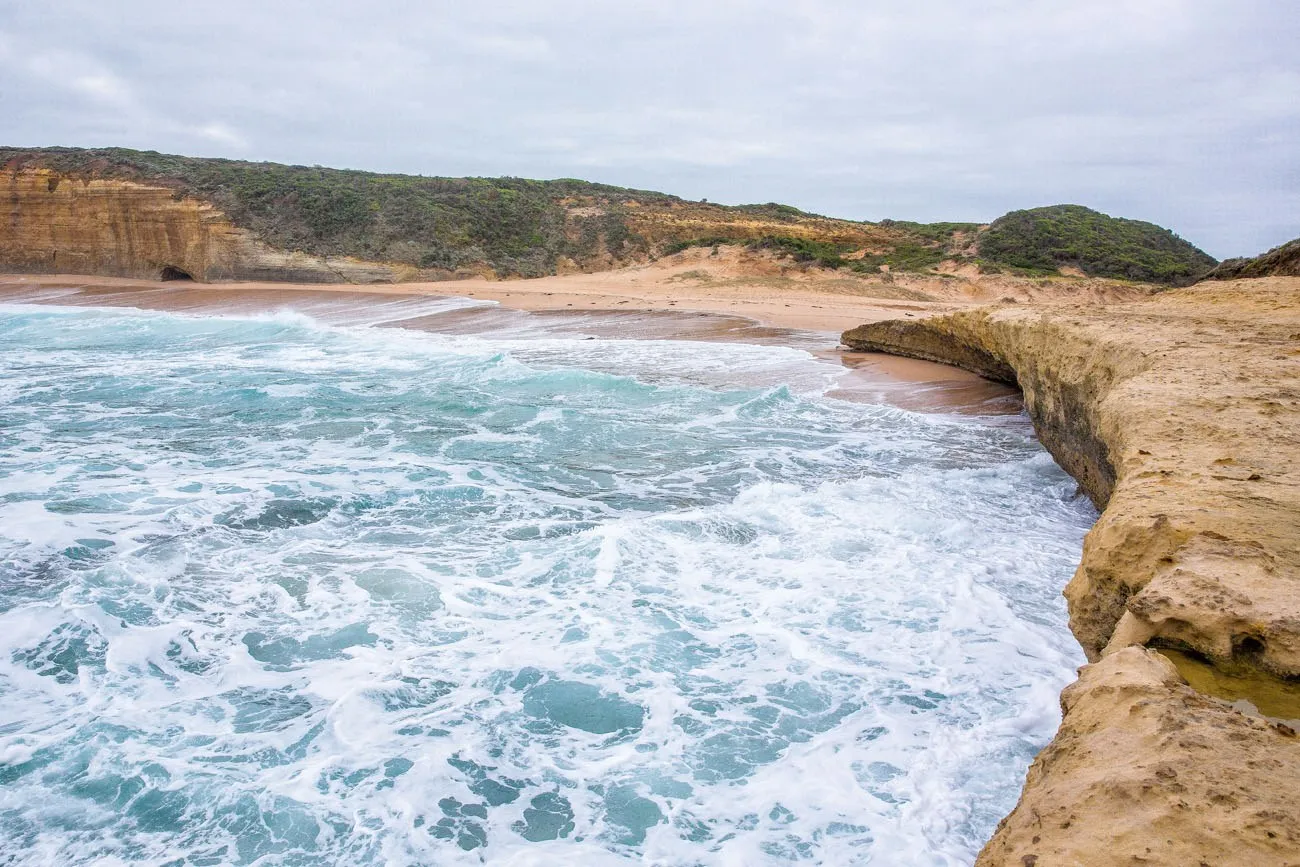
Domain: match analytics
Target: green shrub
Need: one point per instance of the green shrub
(906, 256)
(516, 226)
(939, 233)
(802, 250)
(519, 227)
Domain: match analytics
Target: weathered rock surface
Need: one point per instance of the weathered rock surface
(1145, 770)
(53, 224)
(1180, 417)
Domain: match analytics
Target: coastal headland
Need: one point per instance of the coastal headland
(1179, 415)
(1176, 409)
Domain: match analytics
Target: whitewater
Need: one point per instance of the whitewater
(276, 591)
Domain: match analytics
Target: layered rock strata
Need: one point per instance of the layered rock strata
(51, 224)
(1180, 418)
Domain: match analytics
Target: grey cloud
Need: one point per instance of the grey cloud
(1185, 112)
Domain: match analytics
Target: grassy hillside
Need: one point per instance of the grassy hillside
(1283, 261)
(528, 228)
(516, 226)
(1097, 244)
(512, 225)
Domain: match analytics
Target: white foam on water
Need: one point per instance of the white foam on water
(281, 592)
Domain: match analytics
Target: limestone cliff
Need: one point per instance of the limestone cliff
(1180, 417)
(1147, 771)
(57, 224)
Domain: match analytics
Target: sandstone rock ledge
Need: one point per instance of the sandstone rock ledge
(1180, 418)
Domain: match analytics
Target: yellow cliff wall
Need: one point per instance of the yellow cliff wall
(52, 224)
(1180, 417)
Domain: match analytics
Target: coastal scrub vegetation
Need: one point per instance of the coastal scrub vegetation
(515, 226)
(806, 250)
(947, 234)
(903, 255)
(529, 228)
(1047, 239)
(1282, 261)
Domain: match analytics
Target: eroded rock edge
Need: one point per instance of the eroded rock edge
(1192, 550)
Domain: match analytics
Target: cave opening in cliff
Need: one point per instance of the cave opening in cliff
(171, 272)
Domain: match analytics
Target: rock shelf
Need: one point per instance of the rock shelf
(1180, 418)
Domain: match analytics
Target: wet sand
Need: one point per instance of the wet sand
(461, 308)
(770, 301)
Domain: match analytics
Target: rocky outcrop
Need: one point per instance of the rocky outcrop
(1195, 783)
(1180, 417)
(55, 224)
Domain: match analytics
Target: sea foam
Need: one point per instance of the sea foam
(278, 592)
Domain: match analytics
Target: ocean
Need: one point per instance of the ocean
(281, 591)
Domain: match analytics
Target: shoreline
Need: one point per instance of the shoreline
(1178, 415)
(805, 307)
(1131, 719)
(1006, 772)
(914, 385)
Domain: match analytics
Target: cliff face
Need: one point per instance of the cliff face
(1180, 417)
(444, 227)
(55, 224)
(1147, 771)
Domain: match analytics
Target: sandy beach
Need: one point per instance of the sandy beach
(646, 304)
(720, 287)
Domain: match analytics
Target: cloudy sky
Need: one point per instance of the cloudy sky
(1183, 112)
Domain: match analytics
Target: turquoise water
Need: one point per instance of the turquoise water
(278, 592)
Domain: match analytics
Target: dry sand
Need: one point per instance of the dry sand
(771, 302)
(732, 281)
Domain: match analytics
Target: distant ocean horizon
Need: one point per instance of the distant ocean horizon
(278, 591)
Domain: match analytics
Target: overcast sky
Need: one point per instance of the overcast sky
(1182, 112)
